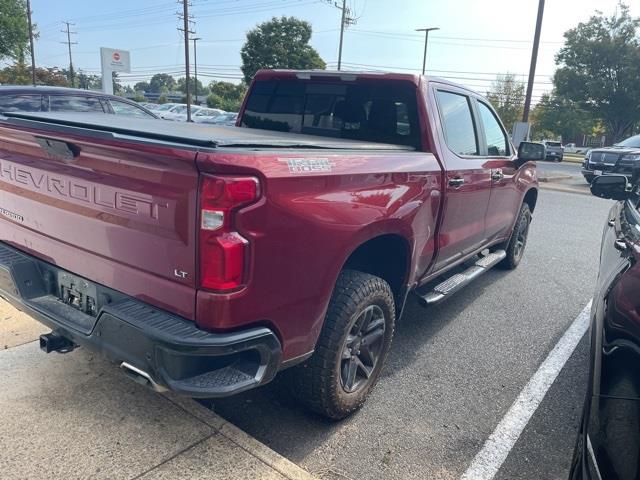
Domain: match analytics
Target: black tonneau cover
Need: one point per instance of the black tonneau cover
(188, 134)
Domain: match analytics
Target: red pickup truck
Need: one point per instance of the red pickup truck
(206, 259)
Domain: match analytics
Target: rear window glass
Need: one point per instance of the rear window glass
(74, 103)
(20, 103)
(375, 112)
(554, 144)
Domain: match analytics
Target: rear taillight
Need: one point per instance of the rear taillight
(223, 251)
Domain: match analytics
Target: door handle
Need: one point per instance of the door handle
(497, 175)
(456, 182)
(620, 245)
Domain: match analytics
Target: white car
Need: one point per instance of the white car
(175, 113)
(205, 114)
(162, 108)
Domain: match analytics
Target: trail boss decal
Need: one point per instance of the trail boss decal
(308, 165)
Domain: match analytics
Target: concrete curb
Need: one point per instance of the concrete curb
(249, 444)
(554, 177)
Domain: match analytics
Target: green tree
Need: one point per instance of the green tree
(556, 116)
(226, 104)
(182, 85)
(141, 87)
(20, 74)
(507, 97)
(14, 30)
(599, 67)
(162, 83)
(226, 95)
(89, 82)
(279, 43)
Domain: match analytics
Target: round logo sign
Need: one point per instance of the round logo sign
(116, 56)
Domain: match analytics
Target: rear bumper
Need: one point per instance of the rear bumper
(170, 351)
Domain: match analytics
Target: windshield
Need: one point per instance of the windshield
(631, 142)
(379, 111)
(179, 109)
(164, 107)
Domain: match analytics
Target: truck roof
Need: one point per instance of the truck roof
(351, 75)
(186, 134)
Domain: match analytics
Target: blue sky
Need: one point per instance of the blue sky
(477, 39)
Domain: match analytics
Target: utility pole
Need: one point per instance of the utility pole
(186, 31)
(33, 57)
(195, 64)
(534, 59)
(347, 19)
(69, 43)
(426, 41)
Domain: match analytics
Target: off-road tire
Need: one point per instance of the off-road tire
(515, 251)
(318, 383)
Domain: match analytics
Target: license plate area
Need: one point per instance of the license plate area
(597, 172)
(77, 293)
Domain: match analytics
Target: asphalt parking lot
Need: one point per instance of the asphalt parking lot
(455, 370)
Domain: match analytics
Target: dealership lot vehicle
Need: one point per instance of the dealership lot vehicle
(59, 99)
(225, 118)
(203, 115)
(211, 297)
(554, 150)
(608, 444)
(622, 158)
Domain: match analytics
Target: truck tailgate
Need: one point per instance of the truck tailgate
(120, 213)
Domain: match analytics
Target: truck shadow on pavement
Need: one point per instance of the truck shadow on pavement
(273, 416)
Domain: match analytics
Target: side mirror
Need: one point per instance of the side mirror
(529, 151)
(614, 187)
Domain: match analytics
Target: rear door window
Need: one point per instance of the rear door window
(20, 103)
(380, 111)
(457, 122)
(74, 103)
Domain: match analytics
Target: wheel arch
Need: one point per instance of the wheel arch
(387, 256)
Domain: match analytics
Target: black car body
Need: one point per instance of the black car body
(621, 159)
(608, 446)
(19, 98)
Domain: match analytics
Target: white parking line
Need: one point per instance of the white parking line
(495, 450)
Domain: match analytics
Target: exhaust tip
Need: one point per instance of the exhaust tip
(141, 377)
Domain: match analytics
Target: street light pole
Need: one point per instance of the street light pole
(426, 41)
(534, 58)
(195, 65)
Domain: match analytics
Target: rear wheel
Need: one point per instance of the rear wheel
(516, 244)
(352, 347)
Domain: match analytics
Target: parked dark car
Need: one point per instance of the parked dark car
(18, 98)
(621, 158)
(608, 446)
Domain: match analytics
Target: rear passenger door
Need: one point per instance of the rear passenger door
(467, 178)
(499, 156)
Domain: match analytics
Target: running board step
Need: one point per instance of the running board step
(454, 283)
